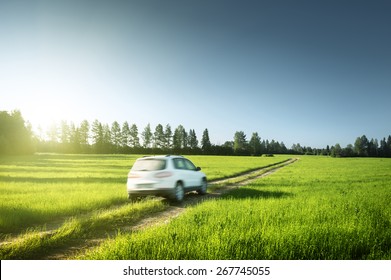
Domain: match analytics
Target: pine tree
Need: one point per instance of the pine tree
(97, 136)
(84, 134)
(158, 137)
(193, 142)
(255, 144)
(167, 137)
(107, 139)
(240, 143)
(147, 135)
(206, 146)
(125, 135)
(177, 140)
(115, 136)
(135, 140)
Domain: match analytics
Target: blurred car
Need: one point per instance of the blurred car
(167, 176)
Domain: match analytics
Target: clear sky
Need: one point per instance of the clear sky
(310, 72)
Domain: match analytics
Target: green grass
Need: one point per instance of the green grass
(317, 208)
(43, 188)
(219, 167)
(40, 189)
(35, 243)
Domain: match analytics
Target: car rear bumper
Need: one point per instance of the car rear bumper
(156, 192)
(145, 187)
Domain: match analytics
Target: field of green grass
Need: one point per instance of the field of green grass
(42, 188)
(317, 208)
(50, 200)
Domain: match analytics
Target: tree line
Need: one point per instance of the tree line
(16, 137)
(126, 138)
(363, 147)
(101, 138)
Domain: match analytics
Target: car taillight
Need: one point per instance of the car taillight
(133, 176)
(163, 174)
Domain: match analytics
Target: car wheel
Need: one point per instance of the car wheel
(179, 192)
(133, 198)
(204, 186)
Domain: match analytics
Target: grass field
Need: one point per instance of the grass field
(39, 189)
(42, 188)
(317, 208)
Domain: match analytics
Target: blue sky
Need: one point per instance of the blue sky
(310, 72)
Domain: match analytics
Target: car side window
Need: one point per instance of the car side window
(179, 163)
(190, 165)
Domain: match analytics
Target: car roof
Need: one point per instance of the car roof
(161, 157)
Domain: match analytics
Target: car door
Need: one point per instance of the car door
(186, 172)
(192, 174)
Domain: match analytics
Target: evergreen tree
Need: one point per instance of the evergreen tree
(193, 142)
(274, 147)
(284, 149)
(373, 147)
(240, 143)
(177, 140)
(185, 140)
(147, 135)
(361, 146)
(384, 150)
(255, 144)
(84, 135)
(135, 140)
(167, 137)
(125, 137)
(107, 139)
(158, 137)
(97, 136)
(115, 136)
(205, 142)
(263, 147)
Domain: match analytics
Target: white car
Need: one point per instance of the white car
(167, 176)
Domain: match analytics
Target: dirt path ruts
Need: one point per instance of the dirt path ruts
(219, 187)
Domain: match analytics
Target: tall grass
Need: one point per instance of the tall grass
(317, 208)
(35, 243)
(45, 188)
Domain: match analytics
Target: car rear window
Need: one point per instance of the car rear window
(149, 165)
